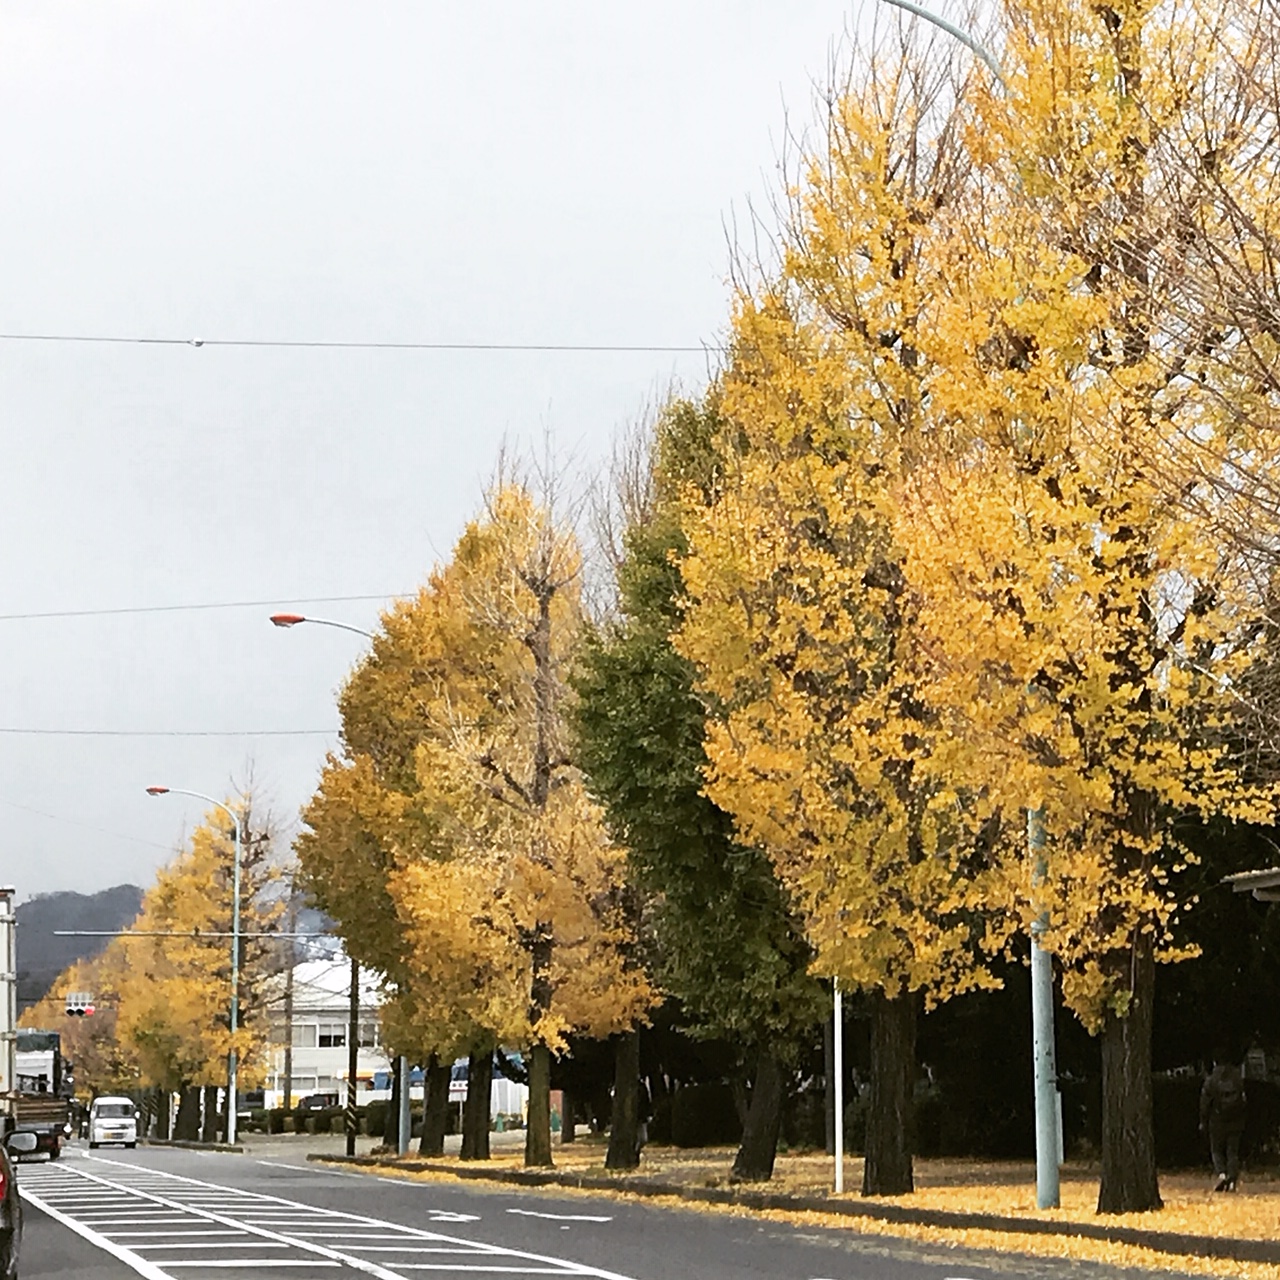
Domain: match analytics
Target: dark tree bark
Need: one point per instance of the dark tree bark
(435, 1107)
(624, 1132)
(887, 1169)
(391, 1125)
(163, 1105)
(475, 1111)
(759, 1147)
(1129, 1182)
(187, 1126)
(212, 1121)
(568, 1121)
(537, 1137)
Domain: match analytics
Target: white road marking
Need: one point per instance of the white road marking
(146, 1199)
(560, 1217)
(120, 1252)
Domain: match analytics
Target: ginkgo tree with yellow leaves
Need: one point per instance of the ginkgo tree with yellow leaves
(163, 985)
(989, 420)
(473, 826)
(800, 620)
(1086, 621)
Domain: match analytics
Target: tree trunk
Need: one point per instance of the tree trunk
(887, 1168)
(759, 1146)
(568, 1121)
(391, 1126)
(435, 1107)
(1129, 1181)
(475, 1111)
(624, 1131)
(187, 1128)
(210, 1126)
(537, 1137)
(164, 1105)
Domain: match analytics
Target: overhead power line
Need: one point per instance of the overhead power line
(357, 345)
(87, 826)
(192, 608)
(169, 733)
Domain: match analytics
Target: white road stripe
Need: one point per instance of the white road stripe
(560, 1217)
(561, 1266)
(127, 1256)
(335, 1258)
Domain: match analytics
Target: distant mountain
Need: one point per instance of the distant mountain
(42, 956)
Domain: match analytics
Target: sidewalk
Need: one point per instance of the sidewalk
(978, 1205)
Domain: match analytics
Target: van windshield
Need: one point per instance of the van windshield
(113, 1110)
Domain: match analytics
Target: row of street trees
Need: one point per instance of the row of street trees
(976, 523)
(971, 527)
(162, 995)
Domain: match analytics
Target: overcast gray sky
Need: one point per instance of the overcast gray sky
(550, 172)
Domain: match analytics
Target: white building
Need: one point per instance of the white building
(320, 1020)
(321, 1015)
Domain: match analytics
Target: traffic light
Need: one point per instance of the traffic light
(79, 1004)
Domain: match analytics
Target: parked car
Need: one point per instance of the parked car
(317, 1102)
(113, 1120)
(11, 1203)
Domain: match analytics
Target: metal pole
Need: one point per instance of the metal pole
(963, 36)
(8, 1009)
(1043, 1051)
(837, 1030)
(233, 1063)
(353, 1057)
(402, 1127)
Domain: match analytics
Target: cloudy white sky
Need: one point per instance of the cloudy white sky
(553, 172)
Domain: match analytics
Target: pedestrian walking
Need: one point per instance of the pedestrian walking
(1223, 1107)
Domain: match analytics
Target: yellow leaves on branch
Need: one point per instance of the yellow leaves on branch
(497, 900)
(991, 429)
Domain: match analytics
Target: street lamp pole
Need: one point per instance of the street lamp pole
(349, 1119)
(232, 1057)
(1048, 1102)
(287, 620)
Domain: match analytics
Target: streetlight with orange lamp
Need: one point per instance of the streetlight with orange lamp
(232, 1058)
(286, 620)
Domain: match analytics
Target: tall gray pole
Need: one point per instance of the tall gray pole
(234, 1021)
(353, 1057)
(837, 1029)
(403, 1124)
(1043, 1051)
(8, 1009)
(233, 1062)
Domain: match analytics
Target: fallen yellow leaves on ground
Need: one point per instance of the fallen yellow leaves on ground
(1003, 1188)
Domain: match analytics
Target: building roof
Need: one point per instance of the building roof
(1264, 885)
(326, 984)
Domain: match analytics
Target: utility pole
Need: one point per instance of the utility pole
(1044, 1057)
(1043, 1052)
(350, 1121)
(8, 1009)
(287, 1083)
(837, 1054)
(402, 1127)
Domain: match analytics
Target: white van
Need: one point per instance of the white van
(113, 1120)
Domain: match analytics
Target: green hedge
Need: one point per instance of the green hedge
(704, 1115)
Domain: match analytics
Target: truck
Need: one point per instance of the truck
(44, 1089)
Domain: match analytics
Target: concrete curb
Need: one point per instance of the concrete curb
(1170, 1242)
(184, 1145)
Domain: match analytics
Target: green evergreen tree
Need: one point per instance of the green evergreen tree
(729, 948)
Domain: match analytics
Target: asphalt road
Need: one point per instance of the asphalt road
(168, 1215)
